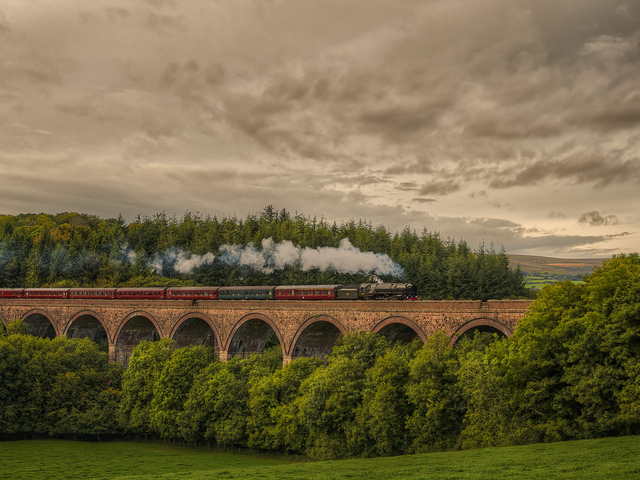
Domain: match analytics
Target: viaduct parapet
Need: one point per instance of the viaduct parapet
(235, 328)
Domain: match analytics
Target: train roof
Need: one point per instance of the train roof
(247, 287)
(308, 287)
(141, 289)
(47, 289)
(191, 288)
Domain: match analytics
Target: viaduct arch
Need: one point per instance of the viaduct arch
(239, 328)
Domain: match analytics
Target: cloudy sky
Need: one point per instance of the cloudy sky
(512, 121)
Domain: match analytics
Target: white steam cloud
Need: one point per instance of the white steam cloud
(276, 256)
(182, 262)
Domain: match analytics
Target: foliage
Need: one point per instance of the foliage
(138, 384)
(272, 423)
(569, 371)
(172, 387)
(57, 387)
(434, 393)
(216, 410)
(79, 250)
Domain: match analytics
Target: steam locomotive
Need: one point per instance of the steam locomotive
(363, 291)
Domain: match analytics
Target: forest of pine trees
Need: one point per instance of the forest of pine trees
(73, 249)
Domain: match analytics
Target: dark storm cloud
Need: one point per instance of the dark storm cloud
(407, 186)
(594, 218)
(397, 122)
(439, 187)
(598, 168)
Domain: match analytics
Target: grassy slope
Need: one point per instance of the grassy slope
(53, 459)
(541, 271)
(559, 266)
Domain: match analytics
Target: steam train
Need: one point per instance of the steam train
(363, 291)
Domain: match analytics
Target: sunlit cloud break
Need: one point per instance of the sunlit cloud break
(276, 256)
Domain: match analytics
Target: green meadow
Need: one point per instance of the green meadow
(613, 458)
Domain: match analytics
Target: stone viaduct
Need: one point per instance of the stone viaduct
(232, 328)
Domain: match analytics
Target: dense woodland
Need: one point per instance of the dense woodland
(570, 371)
(71, 249)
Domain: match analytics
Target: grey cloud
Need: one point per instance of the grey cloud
(594, 218)
(495, 223)
(397, 122)
(4, 25)
(407, 186)
(117, 14)
(162, 23)
(481, 193)
(598, 168)
(441, 187)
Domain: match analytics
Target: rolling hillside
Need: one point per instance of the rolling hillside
(540, 271)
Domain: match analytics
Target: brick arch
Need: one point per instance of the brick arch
(202, 317)
(397, 320)
(479, 323)
(248, 318)
(37, 311)
(133, 315)
(309, 323)
(93, 314)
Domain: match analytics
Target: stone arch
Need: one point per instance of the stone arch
(399, 329)
(88, 324)
(136, 327)
(196, 329)
(40, 324)
(482, 325)
(252, 334)
(316, 337)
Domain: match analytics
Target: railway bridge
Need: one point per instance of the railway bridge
(233, 328)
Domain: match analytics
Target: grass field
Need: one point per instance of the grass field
(611, 458)
(541, 271)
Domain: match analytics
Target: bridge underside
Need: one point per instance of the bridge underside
(253, 336)
(137, 329)
(316, 340)
(196, 331)
(88, 326)
(40, 326)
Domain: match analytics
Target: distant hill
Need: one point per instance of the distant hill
(540, 271)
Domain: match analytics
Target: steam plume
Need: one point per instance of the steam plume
(276, 256)
(181, 261)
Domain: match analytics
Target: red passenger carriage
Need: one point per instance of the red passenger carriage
(11, 292)
(140, 293)
(92, 293)
(46, 293)
(192, 293)
(306, 292)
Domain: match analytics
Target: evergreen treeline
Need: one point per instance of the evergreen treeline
(570, 371)
(77, 250)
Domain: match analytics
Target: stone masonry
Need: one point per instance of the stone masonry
(236, 327)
